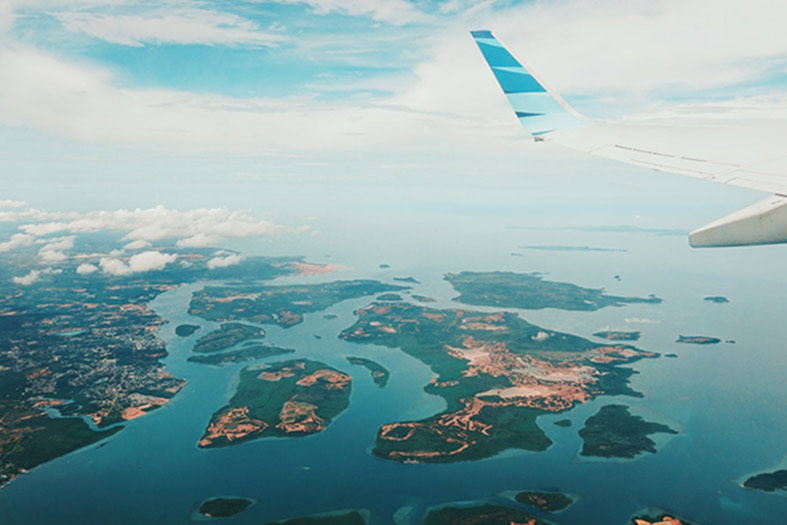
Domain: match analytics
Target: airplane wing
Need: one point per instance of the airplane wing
(733, 155)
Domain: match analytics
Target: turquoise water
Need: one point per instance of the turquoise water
(727, 400)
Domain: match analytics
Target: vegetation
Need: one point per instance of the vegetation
(224, 507)
(562, 423)
(380, 374)
(698, 340)
(486, 514)
(410, 279)
(618, 335)
(349, 518)
(530, 291)
(719, 299)
(389, 297)
(546, 501)
(614, 432)
(185, 330)
(227, 336)
(768, 481)
(247, 353)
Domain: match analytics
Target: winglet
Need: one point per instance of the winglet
(538, 109)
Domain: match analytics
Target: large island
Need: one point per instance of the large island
(615, 433)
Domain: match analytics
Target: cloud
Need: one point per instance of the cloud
(53, 251)
(86, 269)
(12, 204)
(141, 262)
(34, 276)
(17, 241)
(397, 12)
(197, 227)
(182, 26)
(222, 261)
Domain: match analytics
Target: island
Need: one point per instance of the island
(246, 353)
(486, 514)
(768, 481)
(389, 297)
(423, 298)
(718, 299)
(380, 374)
(410, 279)
(545, 501)
(617, 335)
(562, 423)
(497, 374)
(353, 517)
(284, 306)
(531, 292)
(288, 399)
(613, 432)
(224, 507)
(226, 337)
(660, 518)
(185, 330)
(698, 340)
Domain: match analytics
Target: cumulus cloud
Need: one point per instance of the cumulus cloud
(140, 262)
(34, 276)
(222, 260)
(6, 203)
(86, 269)
(137, 245)
(17, 240)
(53, 250)
(181, 26)
(396, 12)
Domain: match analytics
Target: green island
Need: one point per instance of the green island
(617, 335)
(251, 352)
(613, 432)
(423, 298)
(224, 507)
(85, 347)
(380, 374)
(291, 398)
(768, 481)
(546, 501)
(697, 340)
(657, 518)
(281, 305)
(486, 514)
(185, 330)
(389, 297)
(531, 292)
(345, 518)
(497, 374)
(227, 336)
(718, 299)
(410, 279)
(562, 423)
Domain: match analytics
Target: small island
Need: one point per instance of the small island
(288, 399)
(615, 433)
(247, 353)
(698, 340)
(224, 507)
(411, 280)
(617, 335)
(423, 298)
(344, 518)
(562, 423)
(226, 337)
(768, 481)
(658, 519)
(545, 501)
(719, 299)
(380, 374)
(389, 297)
(486, 514)
(530, 291)
(185, 330)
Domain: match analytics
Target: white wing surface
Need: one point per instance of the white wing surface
(730, 154)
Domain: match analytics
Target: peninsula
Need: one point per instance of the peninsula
(615, 433)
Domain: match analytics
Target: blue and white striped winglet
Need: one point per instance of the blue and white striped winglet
(539, 110)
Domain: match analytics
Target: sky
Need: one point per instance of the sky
(105, 102)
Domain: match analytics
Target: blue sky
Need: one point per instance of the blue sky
(290, 88)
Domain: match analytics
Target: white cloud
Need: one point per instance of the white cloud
(182, 26)
(396, 12)
(86, 269)
(222, 261)
(53, 251)
(137, 245)
(141, 262)
(34, 276)
(6, 203)
(17, 240)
